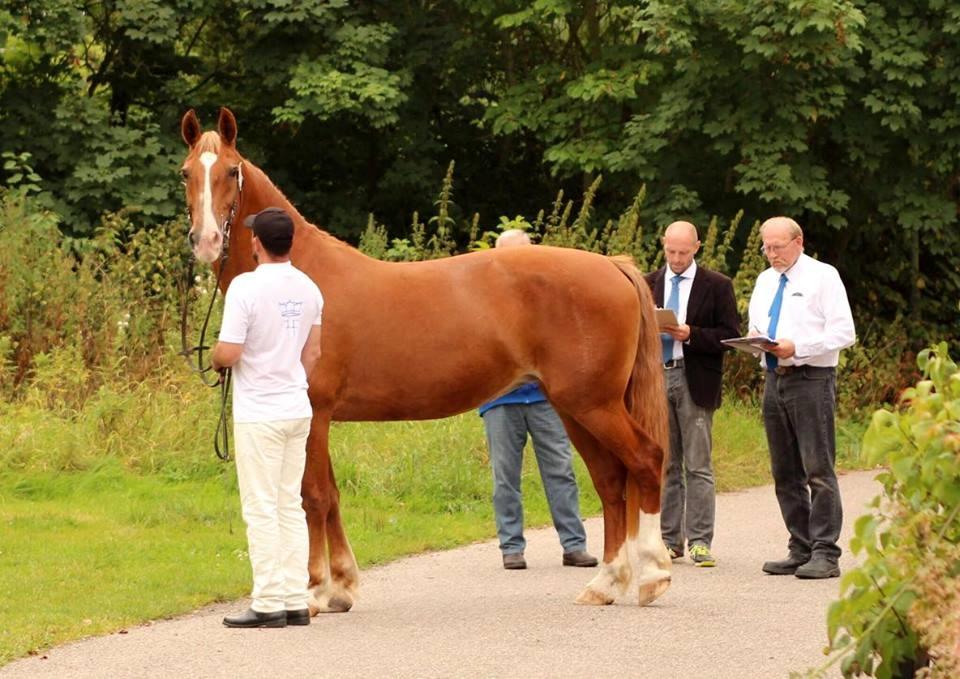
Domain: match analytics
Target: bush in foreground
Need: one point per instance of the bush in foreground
(900, 611)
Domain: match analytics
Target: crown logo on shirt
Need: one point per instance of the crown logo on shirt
(291, 309)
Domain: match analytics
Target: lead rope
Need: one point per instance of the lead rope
(224, 378)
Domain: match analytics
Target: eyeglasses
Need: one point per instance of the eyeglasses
(774, 248)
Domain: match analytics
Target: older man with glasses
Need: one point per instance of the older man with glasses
(802, 305)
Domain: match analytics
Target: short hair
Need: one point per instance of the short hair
(511, 234)
(795, 229)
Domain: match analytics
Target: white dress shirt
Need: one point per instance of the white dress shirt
(686, 283)
(814, 314)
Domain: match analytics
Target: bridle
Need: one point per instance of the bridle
(221, 438)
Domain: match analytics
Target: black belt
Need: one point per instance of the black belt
(674, 363)
(790, 369)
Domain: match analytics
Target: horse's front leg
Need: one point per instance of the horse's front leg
(334, 576)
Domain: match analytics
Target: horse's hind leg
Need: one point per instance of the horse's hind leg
(620, 434)
(609, 479)
(333, 580)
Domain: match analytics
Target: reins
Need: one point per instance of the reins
(223, 379)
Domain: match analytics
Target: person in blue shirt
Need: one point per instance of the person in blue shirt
(507, 421)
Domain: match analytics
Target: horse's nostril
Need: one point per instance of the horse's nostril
(192, 238)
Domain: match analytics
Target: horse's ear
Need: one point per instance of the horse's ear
(190, 128)
(227, 126)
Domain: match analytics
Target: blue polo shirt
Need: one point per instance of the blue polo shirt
(527, 393)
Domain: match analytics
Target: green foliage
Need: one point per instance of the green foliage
(76, 312)
(20, 174)
(900, 610)
(373, 241)
(714, 250)
(751, 264)
(841, 113)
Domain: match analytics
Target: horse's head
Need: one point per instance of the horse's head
(213, 177)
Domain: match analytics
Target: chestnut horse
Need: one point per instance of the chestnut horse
(430, 339)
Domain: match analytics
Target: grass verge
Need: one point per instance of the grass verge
(102, 543)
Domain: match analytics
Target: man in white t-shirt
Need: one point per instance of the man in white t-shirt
(271, 338)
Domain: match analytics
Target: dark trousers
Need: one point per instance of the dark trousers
(798, 415)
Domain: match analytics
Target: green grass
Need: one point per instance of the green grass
(120, 514)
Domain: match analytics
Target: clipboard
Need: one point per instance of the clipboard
(752, 345)
(666, 317)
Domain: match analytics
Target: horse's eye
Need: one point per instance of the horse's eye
(235, 171)
(184, 174)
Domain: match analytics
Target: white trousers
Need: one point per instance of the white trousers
(270, 461)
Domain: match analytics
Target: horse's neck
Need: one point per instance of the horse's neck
(314, 248)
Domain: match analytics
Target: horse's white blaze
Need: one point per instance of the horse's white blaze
(207, 247)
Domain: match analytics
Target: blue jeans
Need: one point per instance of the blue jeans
(798, 415)
(689, 494)
(507, 427)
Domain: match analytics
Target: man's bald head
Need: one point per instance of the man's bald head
(512, 237)
(680, 245)
(682, 230)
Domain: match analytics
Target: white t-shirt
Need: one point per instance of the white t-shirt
(270, 311)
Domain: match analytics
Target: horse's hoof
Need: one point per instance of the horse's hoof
(330, 603)
(339, 605)
(591, 597)
(650, 591)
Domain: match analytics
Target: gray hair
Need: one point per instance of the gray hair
(510, 235)
(793, 227)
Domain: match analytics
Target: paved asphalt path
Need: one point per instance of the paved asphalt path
(459, 614)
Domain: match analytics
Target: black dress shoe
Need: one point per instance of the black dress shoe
(301, 617)
(252, 618)
(817, 568)
(788, 566)
(580, 559)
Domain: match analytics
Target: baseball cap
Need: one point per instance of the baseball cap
(274, 228)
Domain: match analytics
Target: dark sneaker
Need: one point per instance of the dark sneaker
(786, 566)
(580, 559)
(817, 568)
(675, 553)
(700, 556)
(514, 562)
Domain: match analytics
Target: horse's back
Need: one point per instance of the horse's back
(430, 339)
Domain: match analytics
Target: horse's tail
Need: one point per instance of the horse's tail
(645, 398)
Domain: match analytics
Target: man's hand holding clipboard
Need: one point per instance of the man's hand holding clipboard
(667, 322)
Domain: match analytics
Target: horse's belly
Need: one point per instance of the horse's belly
(418, 398)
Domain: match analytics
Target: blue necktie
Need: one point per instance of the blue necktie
(775, 319)
(673, 302)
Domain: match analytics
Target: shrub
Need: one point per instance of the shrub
(900, 609)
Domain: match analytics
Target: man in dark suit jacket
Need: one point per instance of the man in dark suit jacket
(706, 311)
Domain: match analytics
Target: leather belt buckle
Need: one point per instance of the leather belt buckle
(784, 369)
(673, 363)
